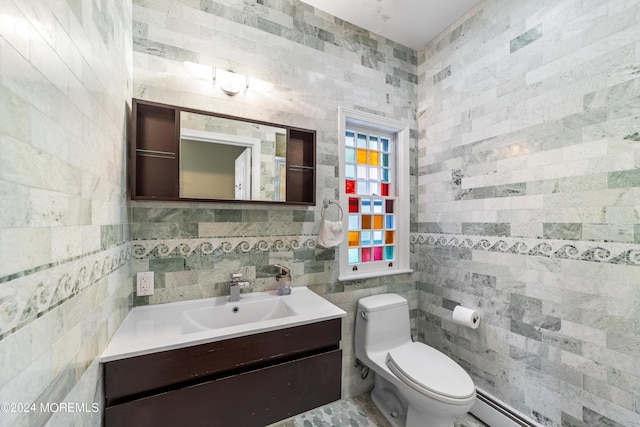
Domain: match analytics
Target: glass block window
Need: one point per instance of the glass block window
(370, 189)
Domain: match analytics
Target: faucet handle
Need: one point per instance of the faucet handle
(284, 271)
(235, 277)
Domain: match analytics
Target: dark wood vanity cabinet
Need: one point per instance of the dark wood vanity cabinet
(247, 381)
(156, 150)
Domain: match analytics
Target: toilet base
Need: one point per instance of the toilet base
(395, 417)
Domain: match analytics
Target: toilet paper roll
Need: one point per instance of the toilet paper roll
(466, 317)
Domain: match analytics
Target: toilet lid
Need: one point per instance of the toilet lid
(429, 371)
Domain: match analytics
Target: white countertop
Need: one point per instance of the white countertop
(155, 328)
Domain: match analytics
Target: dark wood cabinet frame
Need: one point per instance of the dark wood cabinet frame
(154, 156)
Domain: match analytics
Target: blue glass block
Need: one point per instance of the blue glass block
(349, 139)
(362, 172)
(377, 206)
(390, 222)
(377, 237)
(388, 253)
(365, 206)
(385, 175)
(365, 238)
(362, 187)
(373, 143)
(350, 171)
(384, 144)
(385, 160)
(374, 188)
(362, 141)
(354, 222)
(350, 155)
(354, 255)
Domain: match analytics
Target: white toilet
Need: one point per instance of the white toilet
(415, 385)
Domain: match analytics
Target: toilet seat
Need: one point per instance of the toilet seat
(430, 372)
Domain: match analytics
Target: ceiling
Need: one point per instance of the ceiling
(412, 23)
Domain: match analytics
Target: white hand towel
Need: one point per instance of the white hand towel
(331, 233)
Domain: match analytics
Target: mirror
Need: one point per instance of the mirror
(185, 154)
(221, 158)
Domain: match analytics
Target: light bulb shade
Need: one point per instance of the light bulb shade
(230, 82)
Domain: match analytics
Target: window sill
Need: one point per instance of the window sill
(373, 274)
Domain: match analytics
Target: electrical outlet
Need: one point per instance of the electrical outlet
(144, 283)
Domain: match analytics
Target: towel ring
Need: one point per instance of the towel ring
(326, 205)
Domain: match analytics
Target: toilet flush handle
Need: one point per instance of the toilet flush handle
(364, 315)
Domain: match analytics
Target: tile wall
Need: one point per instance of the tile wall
(307, 64)
(65, 255)
(529, 204)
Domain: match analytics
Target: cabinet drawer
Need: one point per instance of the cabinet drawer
(253, 398)
(135, 377)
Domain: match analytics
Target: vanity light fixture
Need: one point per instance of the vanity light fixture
(231, 83)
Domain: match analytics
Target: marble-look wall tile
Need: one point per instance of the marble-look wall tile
(537, 119)
(65, 254)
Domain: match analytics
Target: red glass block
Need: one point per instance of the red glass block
(354, 205)
(366, 255)
(377, 253)
(384, 189)
(350, 186)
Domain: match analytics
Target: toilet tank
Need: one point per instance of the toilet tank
(382, 322)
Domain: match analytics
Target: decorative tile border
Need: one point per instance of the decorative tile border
(144, 249)
(612, 253)
(29, 296)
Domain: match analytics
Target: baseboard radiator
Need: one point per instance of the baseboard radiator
(495, 413)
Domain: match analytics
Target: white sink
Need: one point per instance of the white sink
(233, 314)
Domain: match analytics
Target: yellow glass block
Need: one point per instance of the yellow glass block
(377, 222)
(354, 238)
(366, 222)
(374, 158)
(362, 157)
(389, 237)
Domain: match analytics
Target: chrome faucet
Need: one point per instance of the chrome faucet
(235, 287)
(284, 280)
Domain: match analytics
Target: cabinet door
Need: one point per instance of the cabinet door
(301, 163)
(254, 398)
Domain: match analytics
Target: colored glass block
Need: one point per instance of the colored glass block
(350, 186)
(384, 144)
(373, 142)
(377, 237)
(389, 237)
(366, 254)
(354, 222)
(390, 222)
(354, 255)
(354, 206)
(350, 155)
(362, 141)
(354, 238)
(388, 206)
(384, 189)
(377, 253)
(349, 139)
(366, 206)
(365, 238)
(377, 222)
(385, 160)
(388, 253)
(385, 175)
(377, 206)
(374, 188)
(362, 172)
(362, 156)
(366, 222)
(362, 187)
(350, 171)
(374, 158)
